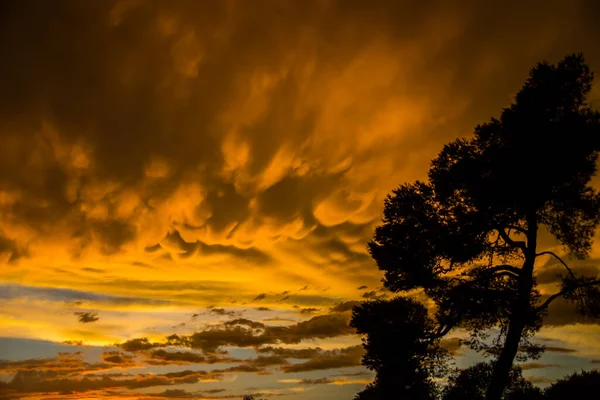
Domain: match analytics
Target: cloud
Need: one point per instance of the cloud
(138, 344)
(242, 332)
(223, 312)
(116, 357)
(345, 306)
(181, 393)
(348, 357)
(561, 312)
(48, 381)
(87, 317)
(315, 381)
(188, 153)
(260, 297)
(245, 333)
(11, 291)
(164, 357)
(551, 273)
(63, 364)
(373, 295)
(452, 345)
(363, 287)
(309, 310)
(535, 365)
(556, 349)
(291, 353)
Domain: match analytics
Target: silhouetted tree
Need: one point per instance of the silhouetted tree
(583, 385)
(404, 352)
(471, 384)
(468, 235)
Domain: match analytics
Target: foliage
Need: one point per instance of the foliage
(471, 384)
(467, 237)
(404, 352)
(583, 385)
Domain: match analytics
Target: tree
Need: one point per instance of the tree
(583, 385)
(471, 384)
(467, 237)
(404, 352)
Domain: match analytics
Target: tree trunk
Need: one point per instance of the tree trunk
(518, 319)
(505, 361)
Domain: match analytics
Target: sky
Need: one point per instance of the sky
(187, 187)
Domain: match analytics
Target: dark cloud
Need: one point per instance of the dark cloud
(266, 120)
(540, 379)
(223, 312)
(63, 364)
(536, 365)
(243, 332)
(12, 248)
(87, 317)
(176, 245)
(73, 342)
(291, 353)
(217, 130)
(94, 270)
(138, 344)
(553, 273)
(260, 297)
(244, 322)
(560, 312)
(342, 358)
(263, 309)
(363, 287)
(557, 349)
(309, 310)
(315, 381)
(345, 306)
(48, 381)
(373, 295)
(116, 357)
(9, 291)
(183, 394)
(452, 345)
(164, 357)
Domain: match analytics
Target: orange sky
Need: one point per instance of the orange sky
(168, 166)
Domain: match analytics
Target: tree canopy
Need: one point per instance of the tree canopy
(471, 384)
(404, 352)
(467, 237)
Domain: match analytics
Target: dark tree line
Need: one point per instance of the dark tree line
(467, 239)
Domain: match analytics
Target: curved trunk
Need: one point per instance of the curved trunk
(517, 321)
(505, 361)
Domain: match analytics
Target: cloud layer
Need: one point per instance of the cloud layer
(210, 172)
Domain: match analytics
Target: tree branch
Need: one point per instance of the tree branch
(517, 228)
(505, 267)
(507, 273)
(565, 291)
(513, 243)
(559, 259)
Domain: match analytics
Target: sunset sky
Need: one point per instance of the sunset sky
(214, 169)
